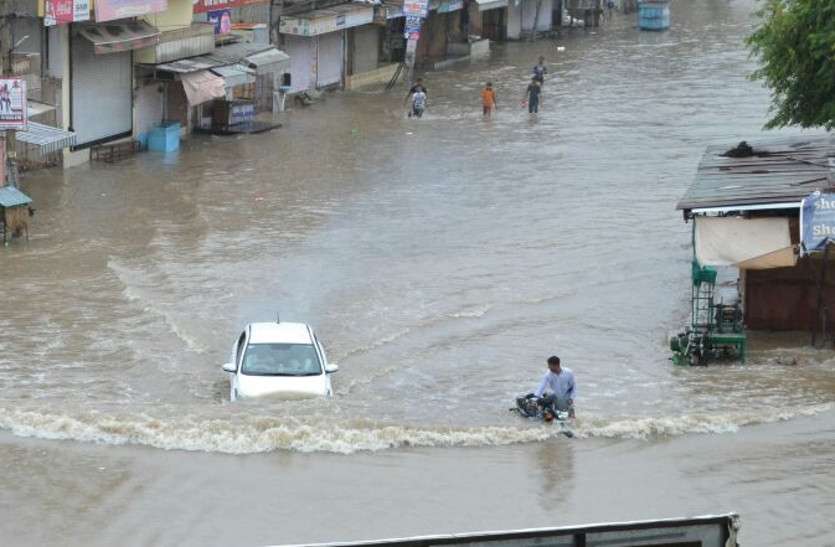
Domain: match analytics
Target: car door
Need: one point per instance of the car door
(323, 358)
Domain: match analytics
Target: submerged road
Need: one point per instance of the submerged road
(441, 260)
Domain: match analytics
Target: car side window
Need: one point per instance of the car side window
(240, 351)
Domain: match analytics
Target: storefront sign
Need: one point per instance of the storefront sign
(817, 222)
(62, 12)
(108, 10)
(326, 20)
(203, 6)
(12, 103)
(418, 8)
(413, 24)
(222, 20)
(448, 6)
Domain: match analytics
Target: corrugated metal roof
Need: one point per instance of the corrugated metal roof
(48, 139)
(222, 56)
(779, 170)
(12, 197)
(235, 75)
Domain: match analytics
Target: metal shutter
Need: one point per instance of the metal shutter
(330, 59)
(302, 52)
(101, 93)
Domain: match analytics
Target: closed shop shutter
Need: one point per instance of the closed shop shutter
(330, 59)
(366, 48)
(101, 93)
(302, 52)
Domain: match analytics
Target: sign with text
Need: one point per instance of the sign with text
(418, 8)
(326, 21)
(13, 103)
(817, 222)
(413, 24)
(108, 10)
(203, 6)
(62, 12)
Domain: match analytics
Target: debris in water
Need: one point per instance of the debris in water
(741, 150)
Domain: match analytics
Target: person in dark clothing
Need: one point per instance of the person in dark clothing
(539, 71)
(532, 96)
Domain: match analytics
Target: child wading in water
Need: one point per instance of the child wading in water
(488, 100)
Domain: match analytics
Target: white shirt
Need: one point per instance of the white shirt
(561, 385)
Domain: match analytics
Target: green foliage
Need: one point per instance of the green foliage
(796, 48)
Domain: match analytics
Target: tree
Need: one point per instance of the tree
(796, 48)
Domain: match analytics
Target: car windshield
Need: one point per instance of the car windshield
(281, 360)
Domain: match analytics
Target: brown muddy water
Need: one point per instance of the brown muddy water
(441, 261)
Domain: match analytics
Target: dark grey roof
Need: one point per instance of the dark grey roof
(12, 197)
(780, 170)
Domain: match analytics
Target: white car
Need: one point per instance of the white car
(279, 358)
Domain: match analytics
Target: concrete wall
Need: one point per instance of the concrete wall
(514, 19)
(529, 15)
(178, 15)
(366, 48)
(148, 108)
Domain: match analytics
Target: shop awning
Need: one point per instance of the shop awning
(115, 37)
(202, 87)
(235, 75)
(484, 5)
(749, 244)
(270, 61)
(323, 21)
(46, 138)
(12, 197)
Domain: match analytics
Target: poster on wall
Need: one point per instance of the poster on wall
(108, 10)
(203, 6)
(13, 103)
(62, 12)
(222, 20)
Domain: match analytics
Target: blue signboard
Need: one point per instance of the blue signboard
(817, 221)
(413, 24)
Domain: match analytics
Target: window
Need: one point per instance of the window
(281, 360)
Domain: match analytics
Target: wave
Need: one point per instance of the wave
(248, 434)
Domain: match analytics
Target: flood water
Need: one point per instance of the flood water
(441, 261)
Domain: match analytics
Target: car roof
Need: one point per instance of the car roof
(279, 333)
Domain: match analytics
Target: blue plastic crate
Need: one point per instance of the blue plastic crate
(165, 137)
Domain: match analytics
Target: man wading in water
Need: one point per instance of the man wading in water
(417, 88)
(540, 70)
(532, 94)
(558, 383)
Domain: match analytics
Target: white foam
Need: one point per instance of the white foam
(245, 434)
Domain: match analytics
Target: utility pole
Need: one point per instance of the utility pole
(8, 13)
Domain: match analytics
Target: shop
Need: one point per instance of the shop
(317, 43)
(488, 19)
(444, 26)
(523, 16)
(242, 72)
(101, 68)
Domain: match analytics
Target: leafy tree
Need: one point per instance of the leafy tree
(796, 47)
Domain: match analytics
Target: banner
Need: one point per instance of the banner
(13, 107)
(418, 8)
(108, 10)
(817, 222)
(203, 6)
(62, 12)
(222, 20)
